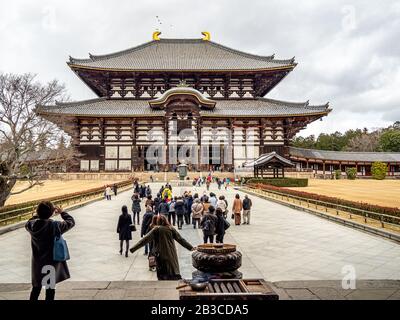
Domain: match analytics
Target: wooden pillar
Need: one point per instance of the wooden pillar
(166, 131)
(356, 169)
(283, 172)
(323, 168)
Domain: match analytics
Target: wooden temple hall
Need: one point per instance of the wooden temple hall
(179, 100)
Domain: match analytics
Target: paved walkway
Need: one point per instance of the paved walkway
(281, 244)
(166, 290)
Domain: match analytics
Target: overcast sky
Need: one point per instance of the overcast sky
(347, 51)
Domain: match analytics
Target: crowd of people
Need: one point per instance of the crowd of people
(163, 213)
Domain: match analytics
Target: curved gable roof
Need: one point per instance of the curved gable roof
(181, 54)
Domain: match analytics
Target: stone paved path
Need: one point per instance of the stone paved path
(281, 244)
(166, 290)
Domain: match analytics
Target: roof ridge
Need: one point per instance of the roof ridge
(300, 104)
(83, 102)
(93, 57)
(332, 151)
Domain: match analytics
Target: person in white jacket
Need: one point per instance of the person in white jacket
(222, 204)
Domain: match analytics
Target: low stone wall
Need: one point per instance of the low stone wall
(142, 176)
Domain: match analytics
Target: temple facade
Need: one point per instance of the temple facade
(169, 101)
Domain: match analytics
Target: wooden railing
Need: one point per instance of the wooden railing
(383, 219)
(21, 212)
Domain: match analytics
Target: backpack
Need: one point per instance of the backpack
(207, 225)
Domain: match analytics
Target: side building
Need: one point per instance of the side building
(322, 162)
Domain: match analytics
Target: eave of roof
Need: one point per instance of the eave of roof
(345, 156)
(260, 107)
(234, 60)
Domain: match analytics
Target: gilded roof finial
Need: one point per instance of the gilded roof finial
(182, 83)
(207, 36)
(156, 35)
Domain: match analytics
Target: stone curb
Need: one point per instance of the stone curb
(355, 225)
(21, 224)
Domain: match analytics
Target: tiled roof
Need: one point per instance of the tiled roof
(268, 157)
(344, 155)
(123, 107)
(181, 54)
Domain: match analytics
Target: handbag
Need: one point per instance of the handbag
(233, 216)
(60, 248)
(226, 224)
(132, 227)
(152, 262)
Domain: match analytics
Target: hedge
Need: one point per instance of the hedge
(280, 182)
(379, 170)
(333, 200)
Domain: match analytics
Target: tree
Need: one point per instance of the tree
(366, 142)
(379, 170)
(351, 173)
(307, 142)
(24, 136)
(390, 140)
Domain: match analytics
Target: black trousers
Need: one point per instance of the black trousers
(35, 293)
(219, 238)
(180, 221)
(187, 217)
(209, 237)
(196, 221)
(136, 213)
(172, 217)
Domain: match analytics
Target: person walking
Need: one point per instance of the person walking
(221, 204)
(213, 199)
(179, 211)
(163, 236)
(146, 222)
(124, 229)
(157, 201)
(166, 194)
(188, 208)
(237, 209)
(115, 189)
(171, 212)
(108, 193)
(148, 191)
(142, 192)
(221, 227)
(42, 230)
(149, 202)
(206, 204)
(136, 208)
(197, 212)
(209, 225)
(246, 209)
(163, 208)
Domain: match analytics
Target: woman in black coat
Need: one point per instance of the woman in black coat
(124, 229)
(42, 229)
(136, 207)
(221, 226)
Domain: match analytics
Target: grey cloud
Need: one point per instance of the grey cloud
(353, 63)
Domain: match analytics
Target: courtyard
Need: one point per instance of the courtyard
(280, 244)
(380, 192)
(52, 188)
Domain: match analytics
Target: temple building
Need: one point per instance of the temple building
(173, 100)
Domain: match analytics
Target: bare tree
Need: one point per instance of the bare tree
(366, 142)
(25, 138)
